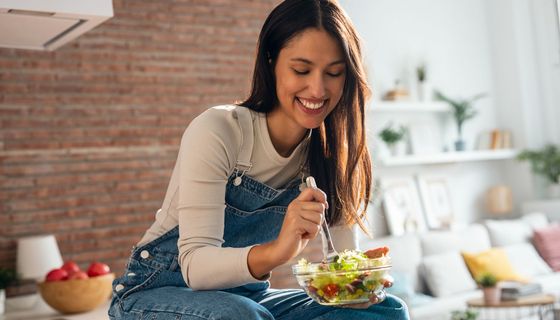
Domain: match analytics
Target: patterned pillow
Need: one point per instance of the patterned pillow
(546, 241)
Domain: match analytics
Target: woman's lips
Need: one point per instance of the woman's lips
(311, 111)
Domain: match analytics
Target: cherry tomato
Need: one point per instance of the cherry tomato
(331, 289)
(57, 275)
(377, 252)
(70, 267)
(97, 269)
(78, 275)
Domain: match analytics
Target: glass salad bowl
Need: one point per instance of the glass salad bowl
(351, 278)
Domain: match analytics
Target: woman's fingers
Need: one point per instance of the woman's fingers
(309, 229)
(313, 194)
(388, 281)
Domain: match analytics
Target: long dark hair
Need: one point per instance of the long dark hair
(338, 156)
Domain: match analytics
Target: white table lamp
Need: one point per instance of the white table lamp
(36, 256)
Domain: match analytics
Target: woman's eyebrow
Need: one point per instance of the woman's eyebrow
(306, 61)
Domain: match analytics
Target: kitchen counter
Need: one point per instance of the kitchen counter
(41, 311)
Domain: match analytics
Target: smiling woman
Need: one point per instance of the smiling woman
(234, 208)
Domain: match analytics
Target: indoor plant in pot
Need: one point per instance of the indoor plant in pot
(424, 86)
(488, 282)
(7, 276)
(463, 110)
(392, 137)
(545, 162)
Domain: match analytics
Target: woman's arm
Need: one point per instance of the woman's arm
(206, 156)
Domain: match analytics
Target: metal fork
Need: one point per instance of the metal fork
(329, 252)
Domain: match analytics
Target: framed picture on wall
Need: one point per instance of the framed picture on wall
(401, 205)
(436, 201)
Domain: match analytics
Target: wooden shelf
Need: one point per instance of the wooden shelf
(449, 157)
(408, 106)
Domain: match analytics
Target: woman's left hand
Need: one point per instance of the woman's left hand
(387, 283)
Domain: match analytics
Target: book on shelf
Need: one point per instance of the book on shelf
(494, 139)
(515, 290)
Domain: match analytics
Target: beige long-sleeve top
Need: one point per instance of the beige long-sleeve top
(195, 197)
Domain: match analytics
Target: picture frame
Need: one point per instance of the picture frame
(402, 206)
(436, 201)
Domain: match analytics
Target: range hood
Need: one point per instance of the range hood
(48, 24)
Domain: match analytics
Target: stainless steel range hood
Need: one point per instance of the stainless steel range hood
(48, 24)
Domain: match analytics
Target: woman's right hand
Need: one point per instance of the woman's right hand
(301, 223)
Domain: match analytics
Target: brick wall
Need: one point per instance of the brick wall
(89, 133)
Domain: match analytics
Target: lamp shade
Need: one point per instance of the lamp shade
(36, 256)
(499, 200)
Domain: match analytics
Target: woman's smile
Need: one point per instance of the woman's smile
(311, 107)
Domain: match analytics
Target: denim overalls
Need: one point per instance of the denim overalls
(153, 287)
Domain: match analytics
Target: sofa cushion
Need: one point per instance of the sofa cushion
(514, 231)
(403, 288)
(536, 220)
(472, 238)
(526, 261)
(446, 274)
(547, 241)
(405, 253)
(550, 283)
(508, 232)
(493, 261)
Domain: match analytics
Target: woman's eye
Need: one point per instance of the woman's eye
(334, 74)
(301, 72)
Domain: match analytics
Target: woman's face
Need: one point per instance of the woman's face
(310, 74)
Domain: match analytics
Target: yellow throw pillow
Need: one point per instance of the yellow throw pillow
(494, 261)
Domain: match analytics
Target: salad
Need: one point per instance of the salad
(353, 277)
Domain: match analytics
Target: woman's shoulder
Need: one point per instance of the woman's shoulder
(216, 126)
(221, 117)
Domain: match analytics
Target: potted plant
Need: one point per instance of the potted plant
(463, 110)
(424, 86)
(488, 282)
(545, 162)
(464, 315)
(392, 136)
(7, 276)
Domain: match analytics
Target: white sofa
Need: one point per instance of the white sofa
(430, 272)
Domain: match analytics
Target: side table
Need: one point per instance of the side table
(540, 304)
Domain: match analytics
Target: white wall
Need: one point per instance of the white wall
(453, 38)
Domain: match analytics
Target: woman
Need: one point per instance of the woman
(234, 209)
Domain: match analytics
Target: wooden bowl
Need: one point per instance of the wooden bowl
(77, 295)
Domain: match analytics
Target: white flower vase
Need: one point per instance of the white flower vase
(397, 149)
(425, 91)
(2, 300)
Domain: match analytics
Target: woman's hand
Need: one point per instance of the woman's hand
(301, 223)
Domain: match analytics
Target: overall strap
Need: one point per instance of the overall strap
(247, 139)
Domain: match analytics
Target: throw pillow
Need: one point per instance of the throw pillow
(546, 241)
(446, 274)
(526, 261)
(494, 261)
(508, 232)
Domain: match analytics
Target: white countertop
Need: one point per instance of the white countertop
(38, 310)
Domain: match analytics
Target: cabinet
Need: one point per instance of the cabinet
(434, 116)
(47, 25)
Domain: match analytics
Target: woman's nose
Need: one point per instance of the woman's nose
(317, 86)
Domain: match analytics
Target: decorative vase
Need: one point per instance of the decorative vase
(460, 145)
(491, 295)
(2, 300)
(425, 91)
(554, 190)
